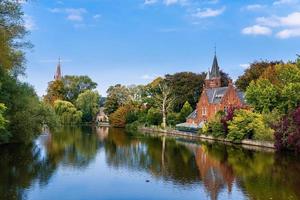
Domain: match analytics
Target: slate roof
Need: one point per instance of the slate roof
(215, 70)
(193, 115)
(215, 95)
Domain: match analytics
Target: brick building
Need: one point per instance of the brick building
(214, 98)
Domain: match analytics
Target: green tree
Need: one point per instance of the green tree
(67, 112)
(88, 103)
(185, 111)
(117, 96)
(248, 125)
(12, 37)
(154, 116)
(262, 95)
(186, 86)
(253, 73)
(3, 123)
(75, 85)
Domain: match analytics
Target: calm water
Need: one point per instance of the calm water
(86, 163)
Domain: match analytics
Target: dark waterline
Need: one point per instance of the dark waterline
(101, 163)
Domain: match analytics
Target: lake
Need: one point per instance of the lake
(106, 163)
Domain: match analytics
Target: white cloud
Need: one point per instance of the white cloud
(257, 30)
(254, 7)
(208, 12)
(29, 23)
(280, 2)
(292, 20)
(171, 2)
(149, 2)
(288, 33)
(73, 14)
(245, 65)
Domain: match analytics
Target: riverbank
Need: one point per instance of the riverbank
(246, 143)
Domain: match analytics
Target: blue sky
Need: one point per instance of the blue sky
(134, 41)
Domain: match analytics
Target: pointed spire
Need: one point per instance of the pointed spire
(215, 70)
(57, 75)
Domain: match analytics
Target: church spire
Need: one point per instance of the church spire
(215, 70)
(57, 75)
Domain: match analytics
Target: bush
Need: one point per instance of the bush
(172, 119)
(154, 117)
(133, 127)
(214, 128)
(287, 132)
(248, 125)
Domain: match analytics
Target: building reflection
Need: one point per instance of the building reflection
(102, 132)
(216, 175)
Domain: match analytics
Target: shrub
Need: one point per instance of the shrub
(172, 119)
(248, 125)
(154, 117)
(287, 132)
(214, 128)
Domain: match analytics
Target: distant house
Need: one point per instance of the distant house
(214, 98)
(101, 116)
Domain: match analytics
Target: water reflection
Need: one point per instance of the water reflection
(183, 165)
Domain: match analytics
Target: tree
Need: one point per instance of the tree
(185, 111)
(248, 125)
(12, 34)
(75, 85)
(3, 123)
(186, 86)
(252, 73)
(262, 95)
(118, 118)
(164, 101)
(117, 96)
(67, 112)
(55, 91)
(287, 132)
(88, 103)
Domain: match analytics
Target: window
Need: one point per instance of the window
(204, 111)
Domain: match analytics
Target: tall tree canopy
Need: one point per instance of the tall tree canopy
(186, 86)
(88, 103)
(252, 73)
(117, 96)
(74, 85)
(12, 33)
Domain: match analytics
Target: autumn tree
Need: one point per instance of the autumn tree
(55, 91)
(252, 73)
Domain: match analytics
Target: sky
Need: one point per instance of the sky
(134, 41)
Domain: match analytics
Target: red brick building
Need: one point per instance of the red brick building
(214, 98)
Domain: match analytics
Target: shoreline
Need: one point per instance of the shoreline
(245, 143)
